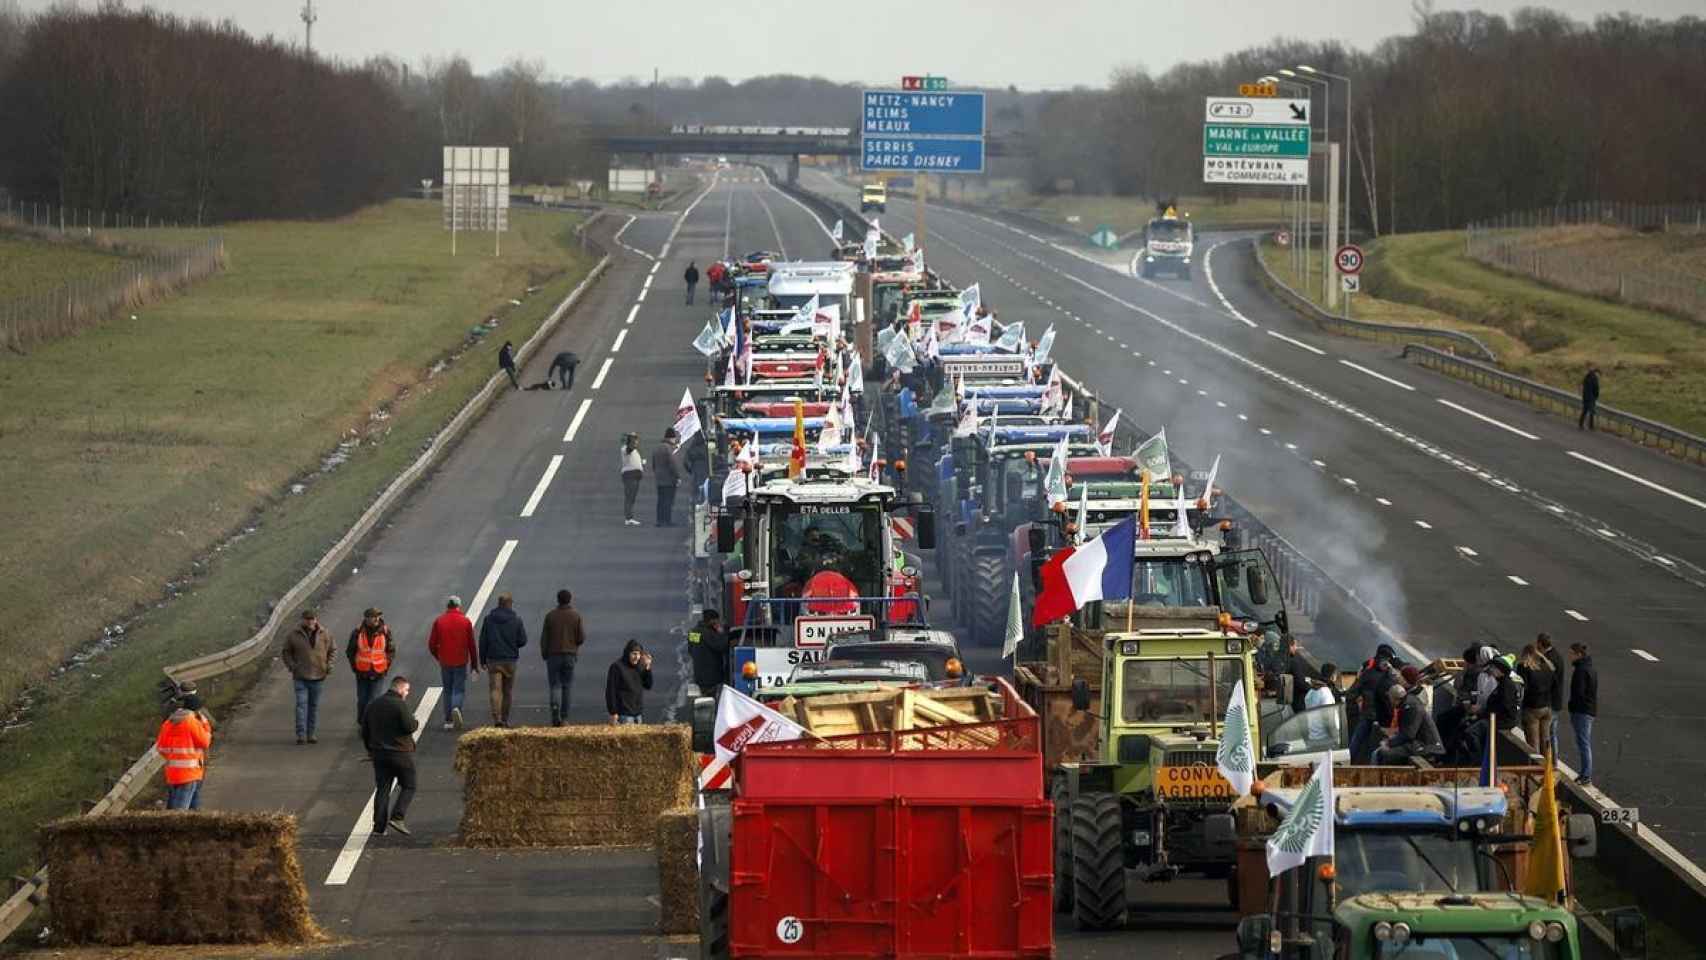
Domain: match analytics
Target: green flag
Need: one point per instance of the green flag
(1015, 622)
(1152, 456)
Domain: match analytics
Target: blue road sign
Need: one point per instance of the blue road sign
(937, 131)
(922, 154)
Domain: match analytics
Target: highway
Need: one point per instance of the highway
(503, 513)
(1457, 516)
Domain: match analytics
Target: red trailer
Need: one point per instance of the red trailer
(928, 842)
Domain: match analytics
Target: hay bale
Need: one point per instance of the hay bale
(678, 871)
(176, 878)
(580, 786)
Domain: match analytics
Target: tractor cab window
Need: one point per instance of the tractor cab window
(1176, 689)
(1170, 582)
(843, 539)
(1169, 231)
(1247, 587)
(1021, 483)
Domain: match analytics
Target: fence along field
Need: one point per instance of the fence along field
(30, 320)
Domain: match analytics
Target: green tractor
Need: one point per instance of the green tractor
(1147, 802)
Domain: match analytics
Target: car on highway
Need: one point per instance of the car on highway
(859, 671)
(935, 650)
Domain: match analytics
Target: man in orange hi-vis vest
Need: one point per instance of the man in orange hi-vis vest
(182, 743)
(370, 651)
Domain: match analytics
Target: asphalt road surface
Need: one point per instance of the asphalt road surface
(503, 513)
(1458, 516)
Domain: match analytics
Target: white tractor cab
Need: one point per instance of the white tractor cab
(1168, 244)
(794, 284)
(810, 558)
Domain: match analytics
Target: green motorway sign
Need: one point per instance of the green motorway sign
(1254, 140)
(1106, 238)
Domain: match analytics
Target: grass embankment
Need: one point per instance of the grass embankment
(129, 451)
(30, 265)
(1651, 363)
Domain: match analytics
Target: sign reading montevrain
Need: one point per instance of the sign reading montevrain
(922, 130)
(1255, 140)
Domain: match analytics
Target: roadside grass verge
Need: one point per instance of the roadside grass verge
(226, 401)
(30, 265)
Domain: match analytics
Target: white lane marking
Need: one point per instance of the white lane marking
(1265, 431)
(1644, 655)
(1468, 551)
(795, 201)
(1664, 560)
(598, 381)
(656, 265)
(1298, 343)
(1606, 533)
(491, 582)
(1291, 446)
(1220, 403)
(663, 252)
(1348, 481)
(544, 482)
(1424, 525)
(1576, 615)
(1383, 501)
(1483, 417)
(1318, 463)
(648, 284)
(621, 335)
(344, 865)
(1202, 393)
(1378, 376)
(1516, 580)
(783, 247)
(642, 297)
(575, 424)
(1243, 417)
(1208, 273)
(1643, 481)
(632, 314)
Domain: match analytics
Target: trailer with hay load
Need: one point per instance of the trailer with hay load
(907, 823)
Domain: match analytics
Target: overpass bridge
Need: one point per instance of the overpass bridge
(792, 143)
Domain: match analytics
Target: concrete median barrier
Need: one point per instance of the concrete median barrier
(581, 786)
(177, 878)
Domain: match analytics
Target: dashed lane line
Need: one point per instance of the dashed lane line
(598, 381)
(1643, 481)
(1516, 580)
(1486, 419)
(1378, 376)
(632, 314)
(1297, 343)
(1577, 615)
(1424, 525)
(1644, 655)
(621, 335)
(575, 424)
(344, 865)
(543, 485)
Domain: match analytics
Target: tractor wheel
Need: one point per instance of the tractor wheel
(1098, 862)
(1062, 847)
(988, 596)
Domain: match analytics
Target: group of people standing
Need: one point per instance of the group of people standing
(672, 461)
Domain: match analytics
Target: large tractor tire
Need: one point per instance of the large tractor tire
(1098, 862)
(1062, 847)
(988, 598)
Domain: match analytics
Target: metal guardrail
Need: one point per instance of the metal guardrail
(32, 891)
(1307, 307)
(1651, 433)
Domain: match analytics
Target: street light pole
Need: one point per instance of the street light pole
(1297, 193)
(1347, 82)
(1327, 134)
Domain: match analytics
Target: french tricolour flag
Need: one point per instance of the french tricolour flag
(1098, 570)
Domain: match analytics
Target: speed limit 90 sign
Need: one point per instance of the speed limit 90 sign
(1349, 258)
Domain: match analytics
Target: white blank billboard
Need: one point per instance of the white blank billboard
(476, 188)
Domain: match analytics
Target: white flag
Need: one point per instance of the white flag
(1208, 491)
(876, 226)
(686, 417)
(1012, 338)
(876, 458)
(918, 260)
(1152, 456)
(1083, 512)
(907, 242)
(932, 348)
(1015, 622)
(968, 420)
(1055, 484)
(872, 238)
(830, 435)
(1308, 829)
(1182, 521)
(826, 321)
(1054, 396)
(978, 331)
(900, 355)
(835, 232)
(1044, 347)
(853, 466)
(803, 319)
(1106, 439)
(741, 720)
(856, 376)
(734, 485)
(710, 340)
(1236, 755)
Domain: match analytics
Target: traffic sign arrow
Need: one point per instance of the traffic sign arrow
(1297, 113)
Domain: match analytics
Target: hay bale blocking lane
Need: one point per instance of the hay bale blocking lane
(577, 786)
(678, 871)
(177, 878)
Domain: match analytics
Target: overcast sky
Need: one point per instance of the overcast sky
(1052, 44)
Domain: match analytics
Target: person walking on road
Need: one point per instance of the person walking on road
(626, 684)
(667, 471)
(633, 468)
(1537, 681)
(308, 656)
(506, 363)
(370, 651)
(502, 635)
(451, 643)
(563, 368)
(182, 742)
(709, 648)
(1584, 706)
(1590, 398)
(560, 642)
(692, 278)
(388, 731)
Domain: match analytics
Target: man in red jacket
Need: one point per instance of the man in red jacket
(452, 644)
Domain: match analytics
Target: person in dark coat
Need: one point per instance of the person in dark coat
(560, 643)
(1560, 682)
(1584, 706)
(1369, 697)
(388, 731)
(1415, 734)
(626, 684)
(502, 635)
(667, 471)
(1538, 682)
(563, 368)
(1503, 712)
(709, 648)
(1590, 398)
(1300, 674)
(506, 363)
(691, 275)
